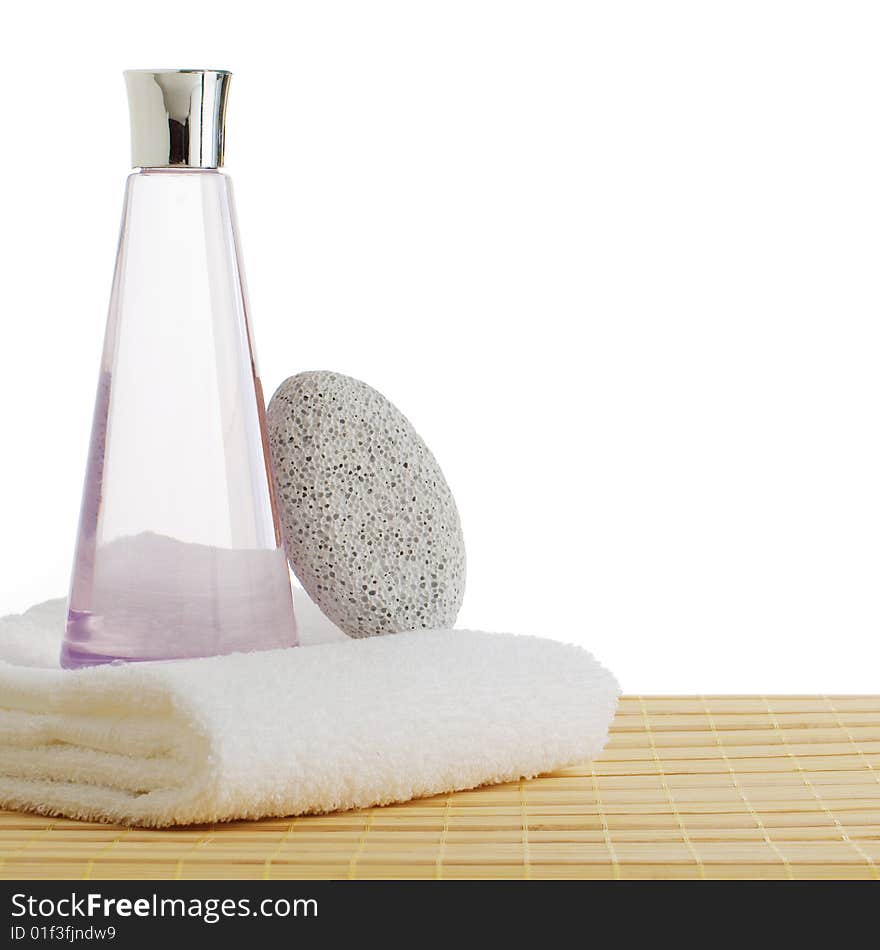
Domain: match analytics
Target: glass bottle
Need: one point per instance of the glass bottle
(179, 552)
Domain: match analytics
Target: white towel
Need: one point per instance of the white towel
(336, 723)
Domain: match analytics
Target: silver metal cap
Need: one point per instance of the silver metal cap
(177, 116)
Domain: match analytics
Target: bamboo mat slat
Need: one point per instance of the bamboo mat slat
(688, 787)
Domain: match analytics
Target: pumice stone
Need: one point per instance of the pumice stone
(369, 523)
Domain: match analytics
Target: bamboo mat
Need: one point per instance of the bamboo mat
(688, 787)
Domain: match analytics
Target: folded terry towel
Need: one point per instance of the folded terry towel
(337, 724)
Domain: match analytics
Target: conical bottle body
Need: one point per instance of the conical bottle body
(179, 552)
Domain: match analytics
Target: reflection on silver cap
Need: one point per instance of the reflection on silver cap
(177, 116)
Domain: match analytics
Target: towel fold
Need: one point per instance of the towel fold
(338, 724)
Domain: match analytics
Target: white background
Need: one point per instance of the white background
(618, 263)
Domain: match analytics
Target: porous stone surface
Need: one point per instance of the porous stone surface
(369, 523)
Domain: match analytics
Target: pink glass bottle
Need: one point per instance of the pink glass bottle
(179, 552)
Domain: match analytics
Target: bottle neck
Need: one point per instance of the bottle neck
(176, 170)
